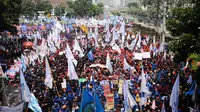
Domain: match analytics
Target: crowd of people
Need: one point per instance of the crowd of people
(160, 74)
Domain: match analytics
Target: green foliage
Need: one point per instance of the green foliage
(9, 14)
(100, 5)
(138, 12)
(60, 10)
(30, 9)
(44, 5)
(185, 24)
(133, 4)
(84, 8)
(195, 58)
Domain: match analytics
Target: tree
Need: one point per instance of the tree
(133, 4)
(100, 5)
(84, 8)
(60, 10)
(43, 6)
(28, 8)
(184, 24)
(9, 14)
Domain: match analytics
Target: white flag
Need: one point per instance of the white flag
(126, 65)
(71, 70)
(131, 101)
(78, 48)
(165, 55)
(193, 110)
(154, 105)
(2, 74)
(108, 63)
(139, 40)
(48, 79)
(174, 98)
(116, 47)
(189, 81)
(163, 107)
(70, 55)
(96, 36)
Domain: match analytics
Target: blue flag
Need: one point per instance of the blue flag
(98, 104)
(26, 94)
(191, 90)
(90, 55)
(33, 104)
(87, 100)
(23, 64)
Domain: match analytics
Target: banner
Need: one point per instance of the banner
(109, 97)
(138, 56)
(146, 55)
(18, 108)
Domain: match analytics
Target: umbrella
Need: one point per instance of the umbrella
(82, 80)
(28, 44)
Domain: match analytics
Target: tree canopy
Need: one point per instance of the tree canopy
(29, 8)
(184, 23)
(9, 14)
(84, 8)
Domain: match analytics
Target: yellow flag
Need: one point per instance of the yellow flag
(49, 15)
(84, 28)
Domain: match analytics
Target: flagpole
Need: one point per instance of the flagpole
(4, 91)
(27, 107)
(56, 88)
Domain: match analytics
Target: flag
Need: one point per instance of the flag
(26, 94)
(108, 35)
(123, 33)
(193, 110)
(90, 55)
(48, 79)
(144, 89)
(125, 89)
(126, 65)
(70, 55)
(116, 48)
(154, 105)
(98, 104)
(2, 74)
(108, 63)
(191, 90)
(23, 63)
(87, 99)
(163, 107)
(174, 98)
(131, 100)
(33, 104)
(165, 55)
(78, 48)
(194, 96)
(132, 45)
(139, 40)
(71, 70)
(18, 108)
(189, 81)
(162, 47)
(96, 36)
(128, 98)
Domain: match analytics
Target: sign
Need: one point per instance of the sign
(146, 55)
(138, 56)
